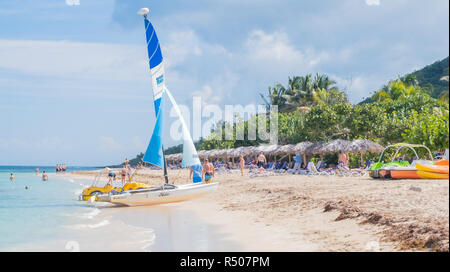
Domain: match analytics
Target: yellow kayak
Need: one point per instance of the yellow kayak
(440, 169)
(431, 175)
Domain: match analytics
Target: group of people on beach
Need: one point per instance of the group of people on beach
(296, 166)
(125, 172)
(60, 168)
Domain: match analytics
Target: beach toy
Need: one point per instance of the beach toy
(431, 175)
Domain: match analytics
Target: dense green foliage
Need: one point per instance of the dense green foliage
(411, 109)
(402, 112)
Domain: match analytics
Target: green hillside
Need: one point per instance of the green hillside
(429, 78)
(432, 74)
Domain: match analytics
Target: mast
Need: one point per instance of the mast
(166, 177)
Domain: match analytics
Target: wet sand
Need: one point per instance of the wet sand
(312, 213)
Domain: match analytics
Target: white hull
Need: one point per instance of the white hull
(142, 197)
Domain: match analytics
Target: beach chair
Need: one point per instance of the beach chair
(344, 171)
(311, 170)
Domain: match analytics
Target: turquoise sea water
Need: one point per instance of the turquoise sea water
(49, 217)
(34, 215)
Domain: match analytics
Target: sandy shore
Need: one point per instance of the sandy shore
(320, 213)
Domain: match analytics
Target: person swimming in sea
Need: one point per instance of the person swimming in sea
(11, 178)
(44, 176)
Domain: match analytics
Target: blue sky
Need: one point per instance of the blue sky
(75, 86)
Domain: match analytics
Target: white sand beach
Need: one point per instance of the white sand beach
(304, 213)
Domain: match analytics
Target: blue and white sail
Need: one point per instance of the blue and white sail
(155, 60)
(190, 156)
(154, 153)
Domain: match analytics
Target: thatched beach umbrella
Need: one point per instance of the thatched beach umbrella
(302, 147)
(201, 154)
(236, 152)
(268, 149)
(253, 151)
(314, 148)
(285, 150)
(363, 145)
(336, 146)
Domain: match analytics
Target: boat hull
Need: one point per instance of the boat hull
(404, 174)
(440, 169)
(431, 175)
(181, 193)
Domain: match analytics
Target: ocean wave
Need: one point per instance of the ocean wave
(91, 226)
(92, 214)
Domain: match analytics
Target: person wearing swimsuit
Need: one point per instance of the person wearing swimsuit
(242, 164)
(123, 174)
(261, 160)
(208, 171)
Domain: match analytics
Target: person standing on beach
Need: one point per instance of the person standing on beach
(37, 171)
(196, 173)
(123, 174)
(129, 172)
(298, 163)
(126, 161)
(242, 164)
(208, 171)
(11, 178)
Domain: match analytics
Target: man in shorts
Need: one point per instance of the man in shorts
(208, 171)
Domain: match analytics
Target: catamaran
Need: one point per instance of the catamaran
(155, 152)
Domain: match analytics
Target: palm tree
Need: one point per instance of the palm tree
(275, 97)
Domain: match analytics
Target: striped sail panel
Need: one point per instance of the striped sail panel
(156, 64)
(154, 153)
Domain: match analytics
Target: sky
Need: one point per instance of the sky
(74, 79)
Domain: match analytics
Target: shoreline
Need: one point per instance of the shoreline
(300, 213)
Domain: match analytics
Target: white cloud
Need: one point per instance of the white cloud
(373, 2)
(74, 59)
(275, 47)
(208, 95)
